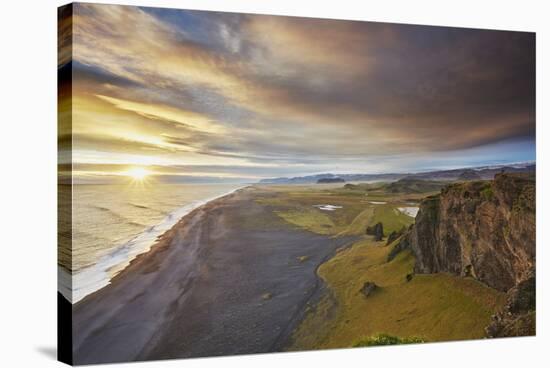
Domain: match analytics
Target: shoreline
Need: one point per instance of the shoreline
(321, 289)
(122, 256)
(203, 287)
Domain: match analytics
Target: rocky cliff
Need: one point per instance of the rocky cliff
(518, 317)
(483, 229)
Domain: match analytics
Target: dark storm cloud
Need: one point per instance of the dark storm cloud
(429, 82)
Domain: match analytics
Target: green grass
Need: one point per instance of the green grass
(487, 193)
(434, 307)
(385, 339)
(360, 222)
(390, 217)
(309, 219)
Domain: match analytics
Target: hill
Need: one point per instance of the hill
(330, 180)
(469, 175)
(414, 185)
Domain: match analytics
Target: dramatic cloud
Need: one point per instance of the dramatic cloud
(205, 93)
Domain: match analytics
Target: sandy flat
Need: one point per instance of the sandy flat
(225, 280)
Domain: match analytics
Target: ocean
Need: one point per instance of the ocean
(112, 224)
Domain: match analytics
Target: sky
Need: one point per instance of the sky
(206, 96)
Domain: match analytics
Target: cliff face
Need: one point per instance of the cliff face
(482, 229)
(518, 318)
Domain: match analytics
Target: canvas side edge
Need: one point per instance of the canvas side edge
(64, 185)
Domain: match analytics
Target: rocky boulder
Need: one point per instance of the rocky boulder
(368, 288)
(376, 230)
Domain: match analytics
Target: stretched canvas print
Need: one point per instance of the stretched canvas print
(239, 184)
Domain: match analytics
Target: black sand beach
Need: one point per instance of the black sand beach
(217, 283)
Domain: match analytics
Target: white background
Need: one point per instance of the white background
(28, 181)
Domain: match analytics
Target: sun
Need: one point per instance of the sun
(137, 173)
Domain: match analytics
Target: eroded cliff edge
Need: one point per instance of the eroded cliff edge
(481, 229)
(486, 230)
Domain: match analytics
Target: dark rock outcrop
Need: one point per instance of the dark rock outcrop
(368, 288)
(518, 318)
(399, 247)
(377, 231)
(394, 235)
(481, 229)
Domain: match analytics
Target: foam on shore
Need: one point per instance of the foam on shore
(74, 288)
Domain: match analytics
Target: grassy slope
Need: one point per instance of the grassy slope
(390, 217)
(434, 307)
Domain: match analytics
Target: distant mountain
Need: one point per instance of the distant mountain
(330, 180)
(469, 175)
(483, 172)
(311, 179)
(412, 185)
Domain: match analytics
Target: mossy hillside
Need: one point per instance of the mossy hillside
(360, 222)
(436, 307)
(391, 218)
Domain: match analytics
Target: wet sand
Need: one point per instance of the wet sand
(225, 280)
